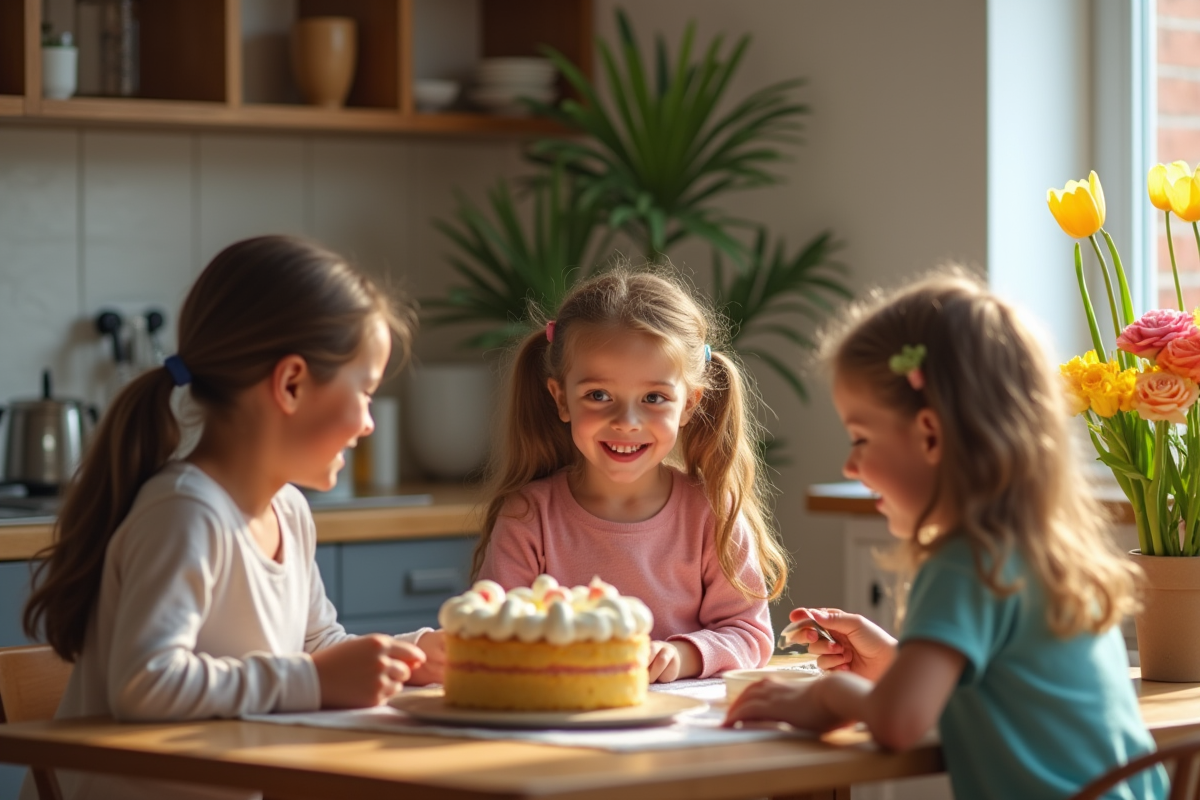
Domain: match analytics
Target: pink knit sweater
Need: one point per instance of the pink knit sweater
(669, 561)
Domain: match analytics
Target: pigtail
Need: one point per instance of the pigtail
(720, 450)
(134, 440)
(534, 443)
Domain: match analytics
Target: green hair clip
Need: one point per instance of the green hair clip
(908, 363)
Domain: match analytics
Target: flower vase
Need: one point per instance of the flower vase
(1168, 625)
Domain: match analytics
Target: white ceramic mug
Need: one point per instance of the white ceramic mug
(59, 65)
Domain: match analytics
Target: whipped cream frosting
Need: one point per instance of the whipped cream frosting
(546, 612)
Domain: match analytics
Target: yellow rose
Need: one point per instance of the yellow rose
(1161, 177)
(1115, 393)
(1079, 208)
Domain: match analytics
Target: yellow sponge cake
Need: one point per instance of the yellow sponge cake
(545, 647)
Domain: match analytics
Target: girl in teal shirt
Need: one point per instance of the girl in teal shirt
(1009, 640)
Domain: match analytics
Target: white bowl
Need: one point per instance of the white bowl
(536, 71)
(506, 101)
(736, 680)
(434, 95)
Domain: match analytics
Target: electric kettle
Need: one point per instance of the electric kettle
(46, 438)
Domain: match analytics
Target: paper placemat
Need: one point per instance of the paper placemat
(701, 729)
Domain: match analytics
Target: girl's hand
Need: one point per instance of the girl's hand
(670, 661)
(664, 662)
(801, 706)
(862, 647)
(433, 645)
(364, 671)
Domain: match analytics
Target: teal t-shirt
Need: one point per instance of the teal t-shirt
(1033, 716)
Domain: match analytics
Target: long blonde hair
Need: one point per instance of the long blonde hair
(258, 301)
(718, 447)
(1009, 474)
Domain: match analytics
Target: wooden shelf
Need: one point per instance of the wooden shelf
(193, 73)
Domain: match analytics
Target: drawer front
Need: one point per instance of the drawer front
(329, 563)
(390, 624)
(416, 576)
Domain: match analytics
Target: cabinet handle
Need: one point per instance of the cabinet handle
(443, 580)
(876, 594)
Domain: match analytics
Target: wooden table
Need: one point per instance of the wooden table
(296, 762)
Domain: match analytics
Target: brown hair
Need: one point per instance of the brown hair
(717, 448)
(1009, 474)
(258, 301)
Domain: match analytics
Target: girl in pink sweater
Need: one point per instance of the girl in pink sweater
(630, 454)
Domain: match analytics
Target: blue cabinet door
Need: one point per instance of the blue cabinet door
(14, 588)
(406, 580)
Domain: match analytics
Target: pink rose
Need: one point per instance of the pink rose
(1182, 356)
(1164, 396)
(1154, 331)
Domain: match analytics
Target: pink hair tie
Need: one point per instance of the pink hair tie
(916, 379)
(550, 331)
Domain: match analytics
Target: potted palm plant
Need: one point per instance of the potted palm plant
(650, 163)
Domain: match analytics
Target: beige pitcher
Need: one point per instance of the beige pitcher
(324, 51)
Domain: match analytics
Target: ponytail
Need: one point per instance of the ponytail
(134, 440)
(534, 443)
(720, 452)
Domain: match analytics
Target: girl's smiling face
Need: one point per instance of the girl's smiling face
(626, 399)
(338, 413)
(893, 456)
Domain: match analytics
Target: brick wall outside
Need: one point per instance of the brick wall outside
(1178, 135)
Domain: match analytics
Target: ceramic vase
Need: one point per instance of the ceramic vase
(324, 50)
(59, 64)
(448, 412)
(1168, 626)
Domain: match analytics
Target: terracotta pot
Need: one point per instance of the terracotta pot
(1168, 626)
(324, 50)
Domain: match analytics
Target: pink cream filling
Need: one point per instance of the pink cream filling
(562, 670)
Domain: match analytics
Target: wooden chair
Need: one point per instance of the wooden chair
(32, 681)
(1185, 780)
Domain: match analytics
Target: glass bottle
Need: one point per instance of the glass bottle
(119, 48)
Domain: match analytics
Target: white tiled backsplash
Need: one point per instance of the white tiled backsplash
(89, 217)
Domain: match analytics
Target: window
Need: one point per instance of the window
(1177, 81)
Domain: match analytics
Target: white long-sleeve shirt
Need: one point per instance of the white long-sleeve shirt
(194, 621)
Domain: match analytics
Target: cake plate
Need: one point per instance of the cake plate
(660, 708)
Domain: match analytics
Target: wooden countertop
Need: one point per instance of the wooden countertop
(851, 497)
(454, 512)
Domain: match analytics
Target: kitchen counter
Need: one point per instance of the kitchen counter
(447, 510)
(851, 497)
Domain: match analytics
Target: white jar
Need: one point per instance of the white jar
(59, 65)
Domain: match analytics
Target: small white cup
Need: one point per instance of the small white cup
(737, 680)
(59, 64)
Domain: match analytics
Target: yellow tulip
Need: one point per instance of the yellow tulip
(1161, 177)
(1079, 208)
(1184, 195)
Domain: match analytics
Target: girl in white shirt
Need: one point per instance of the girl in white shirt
(187, 589)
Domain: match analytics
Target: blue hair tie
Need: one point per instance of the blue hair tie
(179, 371)
(707, 353)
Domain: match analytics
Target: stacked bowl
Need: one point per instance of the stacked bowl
(500, 83)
